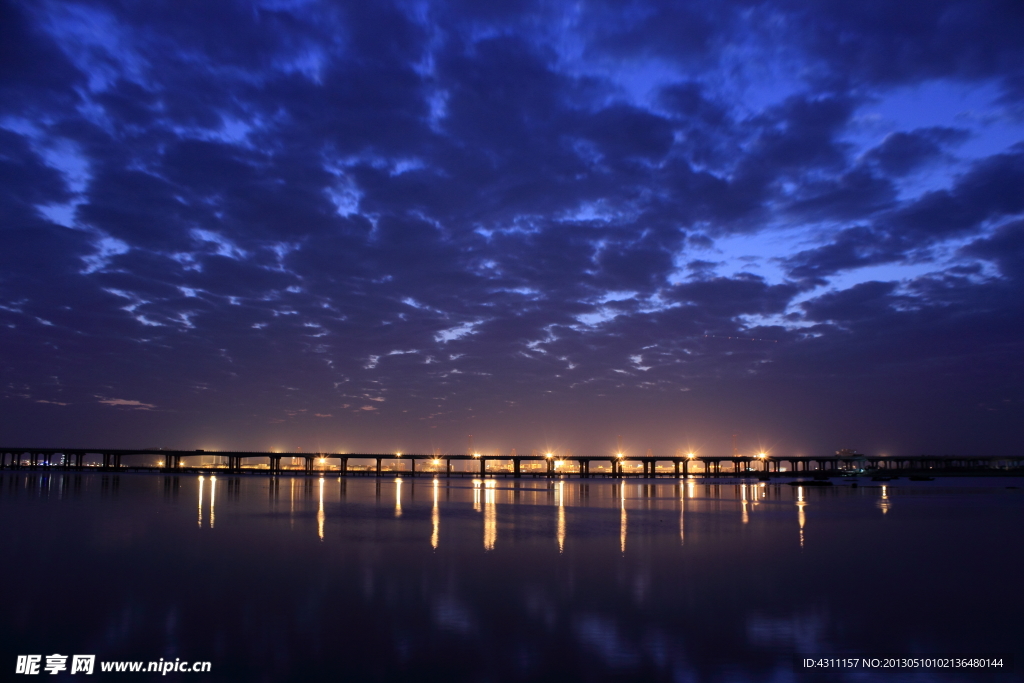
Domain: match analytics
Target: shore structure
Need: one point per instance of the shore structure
(511, 465)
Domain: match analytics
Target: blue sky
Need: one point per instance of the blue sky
(376, 228)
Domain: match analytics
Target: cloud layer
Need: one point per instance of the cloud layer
(374, 226)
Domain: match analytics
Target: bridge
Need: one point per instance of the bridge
(536, 465)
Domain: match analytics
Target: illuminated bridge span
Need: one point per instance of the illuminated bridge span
(537, 465)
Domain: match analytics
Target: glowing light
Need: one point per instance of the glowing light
(762, 455)
(682, 515)
(436, 461)
(213, 498)
(320, 516)
(549, 455)
(476, 455)
(435, 518)
(623, 521)
(490, 517)
(690, 455)
(801, 517)
(398, 497)
(561, 516)
(618, 455)
(323, 460)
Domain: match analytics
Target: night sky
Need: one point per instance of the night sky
(374, 227)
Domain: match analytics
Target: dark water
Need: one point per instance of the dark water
(311, 579)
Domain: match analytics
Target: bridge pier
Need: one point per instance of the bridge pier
(448, 467)
(378, 465)
(515, 468)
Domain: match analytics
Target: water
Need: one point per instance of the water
(304, 579)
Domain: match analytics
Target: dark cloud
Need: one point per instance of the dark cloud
(1005, 247)
(909, 42)
(989, 190)
(34, 75)
(730, 297)
(903, 152)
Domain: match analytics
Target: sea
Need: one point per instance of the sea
(397, 578)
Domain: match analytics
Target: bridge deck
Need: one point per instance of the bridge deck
(535, 464)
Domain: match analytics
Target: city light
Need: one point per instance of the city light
(549, 455)
(436, 461)
(618, 455)
(691, 455)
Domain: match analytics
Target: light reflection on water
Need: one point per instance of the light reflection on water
(707, 579)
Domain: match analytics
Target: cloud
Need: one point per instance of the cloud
(528, 199)
(903, 152)
(125, 403)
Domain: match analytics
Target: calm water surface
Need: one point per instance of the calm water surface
(357, 579)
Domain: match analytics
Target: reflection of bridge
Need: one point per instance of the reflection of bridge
(514, 465)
